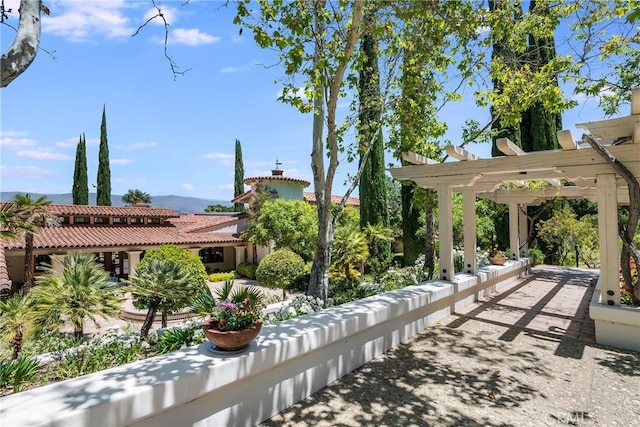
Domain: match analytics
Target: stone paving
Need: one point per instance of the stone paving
(522, 357)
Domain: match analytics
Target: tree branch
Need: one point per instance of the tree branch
(24, 48)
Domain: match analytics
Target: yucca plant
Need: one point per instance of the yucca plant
(16, 319)
(17, 372)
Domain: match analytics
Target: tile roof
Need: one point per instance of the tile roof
(249, 181)
(5, 283)
(77, 237)
(121, 211)
(311, 198)
(195, 222)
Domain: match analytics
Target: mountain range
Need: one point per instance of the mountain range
(179, 204)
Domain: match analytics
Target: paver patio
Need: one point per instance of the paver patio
(522, 357)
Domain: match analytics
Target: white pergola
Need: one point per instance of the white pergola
(591, 176)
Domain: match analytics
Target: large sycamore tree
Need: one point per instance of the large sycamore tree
(22, 52)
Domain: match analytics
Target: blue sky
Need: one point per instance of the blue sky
(165, 137)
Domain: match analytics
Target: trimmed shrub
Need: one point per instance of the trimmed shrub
(280, 269)
(247, 269)
(188, 262)
(222, 277)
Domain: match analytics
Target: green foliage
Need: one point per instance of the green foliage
(222, 277)
(188, 262)
(45, 340)
(81, 292)
(280, 269)
(132, 197)
(15, 373)
(537, 256)
(80, 191)
(289, 224)
(104, 172)
(220, 208)
(161, 285)
(568, 233)
(178, 337)
(230, 309)
(16, 321)
(247, 269)
(238, 181)
(349, 249)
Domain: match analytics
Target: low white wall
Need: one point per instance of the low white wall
(288, 362)
(617, 326)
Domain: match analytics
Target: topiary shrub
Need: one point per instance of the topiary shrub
(188, 262)
(247, 269)
(280, 269)
(222, 277)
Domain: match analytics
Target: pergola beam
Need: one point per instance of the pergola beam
(459, 153)
(566, 141)
(524, 195)
(417, 159)
(508, 148)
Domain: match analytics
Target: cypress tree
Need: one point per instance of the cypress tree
(80, 190)
(373, 190)
(104, 173)
(502, 50)
(238, 184)
(539, 127)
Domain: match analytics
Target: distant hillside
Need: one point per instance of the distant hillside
(178, 204)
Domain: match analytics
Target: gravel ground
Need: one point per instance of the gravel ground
(470, 371)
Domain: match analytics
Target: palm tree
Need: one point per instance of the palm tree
(161, 286)
(12, 221)
(349, 248)
(376, 234)
(132, 197)
(34, 214)
(16, 318)
(81, 292)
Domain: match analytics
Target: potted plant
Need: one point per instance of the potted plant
(498, 257)
(233, 316)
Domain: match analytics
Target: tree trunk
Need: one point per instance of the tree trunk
(165, 319)
(78, 333)
(29, 263)
(148, 321)
(17, 344)
(24, 48)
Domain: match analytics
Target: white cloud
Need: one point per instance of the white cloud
(240, 69)
(84, 20)
(187, 187)
(42, 155)
(191, 37)
(7, 142)
(120, 161)
(224, 158)
(11, 133)
(169, 14)
(25, 172)
(73, 142)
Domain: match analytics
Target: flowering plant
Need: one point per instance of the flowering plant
(230, 309)
(498, 253)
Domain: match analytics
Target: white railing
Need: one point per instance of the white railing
(288, 362)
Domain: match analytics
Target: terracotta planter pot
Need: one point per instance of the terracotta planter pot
(497, 261)
(231, 340)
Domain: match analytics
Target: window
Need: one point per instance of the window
(42, 261)
(81, 220)
(211, 255)
(153, 220)
(62, 220)
(137, 220)
(101, 220)
(119, 220)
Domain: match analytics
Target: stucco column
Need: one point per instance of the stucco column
(240, 254)
(445, 230)
(470, 240)
(608, 234)
(134, 259)
(514, 242)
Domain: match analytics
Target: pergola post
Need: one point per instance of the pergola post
(514, 246)
(469, 219)
(240, 254)
(524, 231)
(134, 259)
(608, 234)
(445, 230)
